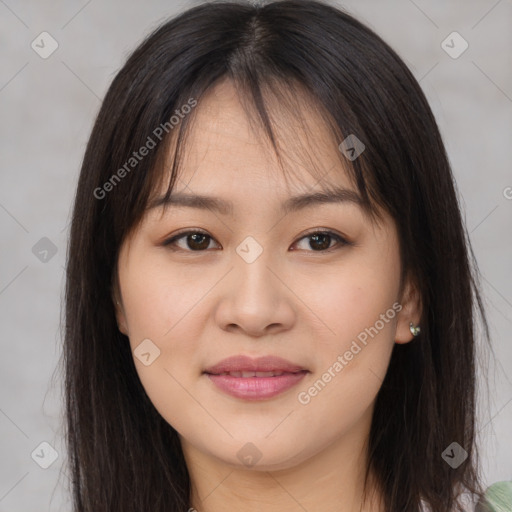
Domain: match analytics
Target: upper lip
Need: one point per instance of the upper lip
(242, 363)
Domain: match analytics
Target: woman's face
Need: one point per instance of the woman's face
(258, 283)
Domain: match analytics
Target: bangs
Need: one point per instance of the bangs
(277, 111)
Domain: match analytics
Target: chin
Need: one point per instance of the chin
(263, 455)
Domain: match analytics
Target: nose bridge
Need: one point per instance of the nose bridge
(255, 298)
(252, 272)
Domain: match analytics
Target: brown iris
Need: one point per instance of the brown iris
(199, 241)
(322, 239)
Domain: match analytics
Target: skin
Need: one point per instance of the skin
(307, 306)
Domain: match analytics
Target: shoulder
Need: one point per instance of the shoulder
(498, 498)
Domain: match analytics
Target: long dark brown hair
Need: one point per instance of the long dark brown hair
(122, 455)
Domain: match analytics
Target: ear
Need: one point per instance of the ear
(410, 312)
(119, 310)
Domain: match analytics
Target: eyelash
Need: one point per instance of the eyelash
(341, 241)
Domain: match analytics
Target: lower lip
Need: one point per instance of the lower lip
(256, 388)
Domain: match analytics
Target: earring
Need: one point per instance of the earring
(415, 330)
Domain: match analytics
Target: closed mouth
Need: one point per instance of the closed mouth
(247, 374)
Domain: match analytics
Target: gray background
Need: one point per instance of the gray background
(47, 107)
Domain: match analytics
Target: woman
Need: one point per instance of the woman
(270, 301)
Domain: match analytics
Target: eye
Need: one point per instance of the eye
(320, 241)
(194, 241)
(197, 241)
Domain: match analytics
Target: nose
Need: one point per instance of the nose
(254, 298)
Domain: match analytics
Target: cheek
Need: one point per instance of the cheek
(161, 299)
(359, 305)
(351, 364)
(352, 299)
(165, 305)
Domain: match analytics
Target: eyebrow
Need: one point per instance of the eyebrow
(292, 204)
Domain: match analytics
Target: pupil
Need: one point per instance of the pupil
(315, 238)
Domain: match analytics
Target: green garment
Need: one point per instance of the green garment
(498, 498)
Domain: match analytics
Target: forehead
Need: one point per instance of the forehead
(226, 146)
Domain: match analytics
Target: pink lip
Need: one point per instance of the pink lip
(255, 388)
(248, 364)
